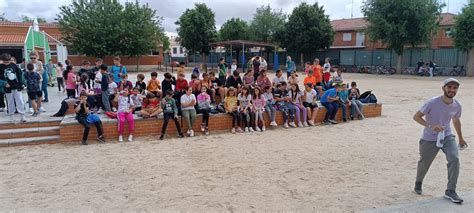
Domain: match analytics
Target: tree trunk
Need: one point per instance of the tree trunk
(470, 63)
(138, 63)
(301, 61)
(399, 63)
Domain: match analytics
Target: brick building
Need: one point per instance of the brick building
(13, 36)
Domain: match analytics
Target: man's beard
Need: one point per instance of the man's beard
(449, 94)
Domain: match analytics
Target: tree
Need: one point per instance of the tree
(266, 23)
(234, 29)
(401, 23)
(105, 27)
(307, 30)
(2, 17)
(196, 29)
(28, 19)
(463, 35)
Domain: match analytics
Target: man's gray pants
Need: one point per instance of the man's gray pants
(428, 152)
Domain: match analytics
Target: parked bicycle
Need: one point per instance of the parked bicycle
(458, 71)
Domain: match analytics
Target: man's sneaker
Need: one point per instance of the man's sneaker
(233, 131)
(418, 188)
(120, 138)
(292, 124)
(332, 122)
(273, 123)
(300, 124)
(101, 139)
(311, 123)
(453, 196)
(130, 138)
(246, 129)
(257, 129)
(285, 125)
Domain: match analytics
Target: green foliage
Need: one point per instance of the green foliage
(402, 22)
(196, 28)
(234, 29)
(105, 27)
(2, 17)
(463, 33)
(266, 23)
(307, 29)
(28, 19)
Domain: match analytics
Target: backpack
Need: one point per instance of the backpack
(368, 97)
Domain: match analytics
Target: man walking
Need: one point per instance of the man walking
(437, 113)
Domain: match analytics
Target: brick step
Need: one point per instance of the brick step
(30, 141)
(29, 132)
(31, 124)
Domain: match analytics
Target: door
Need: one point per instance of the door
(360, 39)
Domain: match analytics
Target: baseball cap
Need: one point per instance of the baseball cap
(450, 80)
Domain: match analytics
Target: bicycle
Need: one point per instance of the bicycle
(458, 72)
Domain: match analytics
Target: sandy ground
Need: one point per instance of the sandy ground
(355, 166)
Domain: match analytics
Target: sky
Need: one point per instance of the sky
(170, 10)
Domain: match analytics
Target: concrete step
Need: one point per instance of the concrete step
(30, 124)
(30, 141)
(29, 132)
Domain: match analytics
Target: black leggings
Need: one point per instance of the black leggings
(205, 116)
(2, 100)
(83, 122)
(71, 93)
(235, 119)
(60, 81)
(248, 122)
(167, 117)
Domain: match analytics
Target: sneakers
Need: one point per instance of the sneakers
(3, 109)
(206, 131)
(130, 138)
(300, 124)
(325, 122)
(263, 129)
(344, 120)
(31, 110)
(311, 123)
(233, 131)
(453, 196)
(286, 125)
(35, 114)
(41, 109)
(120, 138)
(101, 139)
(239, 130)
(257, 129)
(162, 137)
(180, 135)
(84, 143)
(246, 129)
(251, 129)
(188, 132)
(273, 123)
(332, 122)
(305, 124)
(418, 188)
(191, 133)
(23, 119)
(202, 128)
(292, 124)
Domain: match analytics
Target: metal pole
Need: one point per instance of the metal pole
(243, 56)
(231, 54)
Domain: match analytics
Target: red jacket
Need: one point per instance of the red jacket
(181, 84)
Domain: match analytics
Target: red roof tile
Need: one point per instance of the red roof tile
(27, 24)
(12, 38)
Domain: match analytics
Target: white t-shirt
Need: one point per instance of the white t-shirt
(233, 67)
(310, 96)
(277, 80)
(112, 87)
(327, 67)
(98, 77)
(185, 99)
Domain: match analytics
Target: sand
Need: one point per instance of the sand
(355, 166)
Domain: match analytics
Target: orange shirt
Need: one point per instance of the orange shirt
(318, 73)
(310, 79)
(153, 85)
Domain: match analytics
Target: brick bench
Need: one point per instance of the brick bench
(71, 130)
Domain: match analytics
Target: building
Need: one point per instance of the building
(349, 34)
(14, 37)
(177, 52)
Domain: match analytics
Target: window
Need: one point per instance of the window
(175, 50)
(181, 50)
(447, 32)
(347, 37)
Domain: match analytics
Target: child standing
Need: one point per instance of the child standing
(204, 105)
(245, 107)
(71, 81)
(170, 111)
(104, 87)
(140, 84)
(125, 112)
(309, 102)
(112, 87)
(269, 105)
(297, 102)
(259, 108)
(188, 101)
(13, 82)
(231, 108)
(33, 81)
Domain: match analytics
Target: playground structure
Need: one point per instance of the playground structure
(36, 39)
